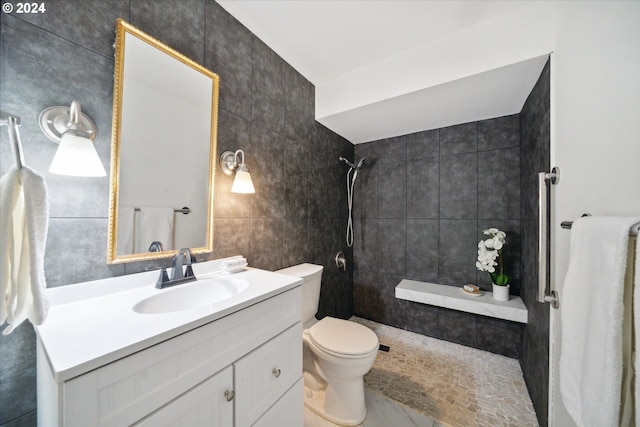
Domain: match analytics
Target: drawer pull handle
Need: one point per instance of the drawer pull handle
(276, 372)
(229, 394)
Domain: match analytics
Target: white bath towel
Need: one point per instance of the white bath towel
(126, 230)
(24, 219)
(156, 224)
(591, 315)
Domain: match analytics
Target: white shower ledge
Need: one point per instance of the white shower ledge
(454, 298)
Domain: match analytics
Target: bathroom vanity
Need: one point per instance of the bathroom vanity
(105, 358)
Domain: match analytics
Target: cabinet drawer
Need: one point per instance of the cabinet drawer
(266, 373)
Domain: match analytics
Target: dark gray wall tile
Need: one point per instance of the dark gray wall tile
(459, 139)
(299, 104)
(76, 251)
(501, 132)
(365, 243)
(499, 336)
(391, 246)
(18, 373)
(423, 144)
(267, 173)
(499, 184)
(458, 327)
(229, 48)
(423, 188)
(176, 23)
(392, 310)
(296, 241)
(231, 236)
(392, 190)
(457, 252)
(365, 292)
(391, 150)
(266, 243)
(268, 88)
(65, 19)
(422, 318)
(459, 186)
(422, 249)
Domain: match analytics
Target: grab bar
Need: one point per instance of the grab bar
(553, 178)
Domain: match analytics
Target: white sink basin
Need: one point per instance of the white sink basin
(191, 295)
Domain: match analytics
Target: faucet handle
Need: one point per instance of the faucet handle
(164, 278)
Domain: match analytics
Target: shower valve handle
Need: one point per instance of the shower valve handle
(341, 261)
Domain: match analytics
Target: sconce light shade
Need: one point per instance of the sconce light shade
(242, 182)
(75, 132)
(76, 156)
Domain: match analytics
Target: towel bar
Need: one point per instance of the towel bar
(633, 231)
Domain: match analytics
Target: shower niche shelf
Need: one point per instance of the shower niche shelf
(453, 298)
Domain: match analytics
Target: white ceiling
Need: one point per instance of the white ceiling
(332, 42)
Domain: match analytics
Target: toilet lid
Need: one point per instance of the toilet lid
(343, 337)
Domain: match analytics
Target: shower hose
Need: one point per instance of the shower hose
(351, 180)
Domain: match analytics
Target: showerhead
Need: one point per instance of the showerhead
(351, 165)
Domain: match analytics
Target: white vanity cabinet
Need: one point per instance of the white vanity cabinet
(242, 369)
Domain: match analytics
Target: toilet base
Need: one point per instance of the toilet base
(315, 401)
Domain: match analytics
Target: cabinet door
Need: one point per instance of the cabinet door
(266, 373)
(288, 411)
(209, 403)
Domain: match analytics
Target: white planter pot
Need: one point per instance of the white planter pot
(500, 293)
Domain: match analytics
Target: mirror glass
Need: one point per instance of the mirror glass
(163, 157)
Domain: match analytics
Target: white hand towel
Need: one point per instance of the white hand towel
(591, 315)
(24, 219)
(126, 230)
(156, 224)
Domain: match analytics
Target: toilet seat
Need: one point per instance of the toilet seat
(343, 338)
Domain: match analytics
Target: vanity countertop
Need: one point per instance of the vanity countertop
(93, 323)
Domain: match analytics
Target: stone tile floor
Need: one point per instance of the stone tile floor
(455, 385)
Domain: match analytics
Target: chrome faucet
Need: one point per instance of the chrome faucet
(178, 276)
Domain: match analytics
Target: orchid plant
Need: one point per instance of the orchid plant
(490, 256)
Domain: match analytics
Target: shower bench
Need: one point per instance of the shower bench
(453, 298)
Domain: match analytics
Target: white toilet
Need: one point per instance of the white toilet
(337, 354)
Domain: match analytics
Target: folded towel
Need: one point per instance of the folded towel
(156, 224)
(24, 219)
(592, 313)
(126, 230)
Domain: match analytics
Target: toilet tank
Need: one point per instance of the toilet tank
(312, 276)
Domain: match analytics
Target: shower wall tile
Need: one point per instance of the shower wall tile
(296, 154)
(391, 243)
(178, 24)
(535, 157)
(499, 184)
(422, 249)
(365, 243)
(459, 139)
(423, 191)
(459, 186)
(229, 54)
(295, 197)
(423, 144)
(457, 252)
(502, 132)
(268, 87)
(298, 104)
(392, 190)
(391, 150)
(458, 327)
(365, 291)
(392, 310)
(499, 336)
(422, 318)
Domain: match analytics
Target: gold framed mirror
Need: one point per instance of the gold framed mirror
(163, 151)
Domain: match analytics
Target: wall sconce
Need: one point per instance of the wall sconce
(242, 182)
(75, 132)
